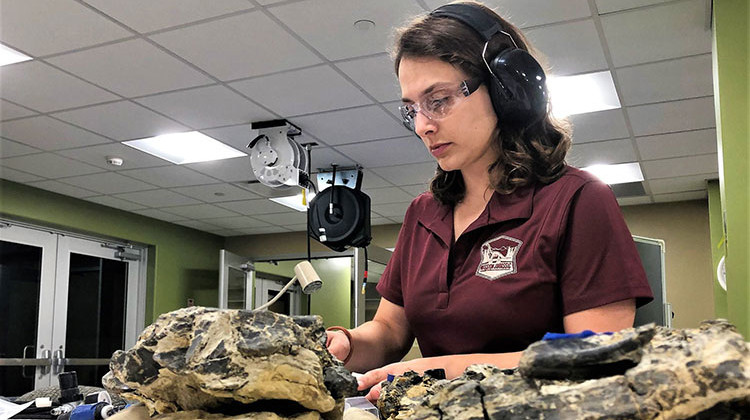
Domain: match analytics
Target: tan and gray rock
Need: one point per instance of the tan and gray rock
(701, 373)
(234, 363)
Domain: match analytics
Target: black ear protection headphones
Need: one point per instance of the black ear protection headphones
(517, 81)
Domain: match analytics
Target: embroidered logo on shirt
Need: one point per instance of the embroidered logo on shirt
(499, 257)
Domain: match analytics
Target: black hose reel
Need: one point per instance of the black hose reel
(339, 216)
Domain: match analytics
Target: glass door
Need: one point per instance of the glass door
(93, 313)
(235, 281)
(27, 275)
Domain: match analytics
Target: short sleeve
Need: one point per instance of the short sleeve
(390, 283)
(598, 261)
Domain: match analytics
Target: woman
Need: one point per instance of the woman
(510, 242)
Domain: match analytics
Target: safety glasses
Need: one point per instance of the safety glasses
(439, 102)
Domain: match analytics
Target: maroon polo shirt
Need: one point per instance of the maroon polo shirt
(531, 258)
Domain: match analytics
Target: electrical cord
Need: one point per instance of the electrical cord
(278, 295)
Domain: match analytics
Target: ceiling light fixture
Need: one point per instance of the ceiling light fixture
(617, 174)
(582, 93)
(10, 56)
(182, 148)
(364, 25)
(295, 201)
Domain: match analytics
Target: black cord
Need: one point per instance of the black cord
(364, 278)
(309, 182)
(333, 191)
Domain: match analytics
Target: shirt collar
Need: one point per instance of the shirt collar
(500, 208)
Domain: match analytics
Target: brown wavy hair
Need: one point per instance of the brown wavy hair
(529, 154)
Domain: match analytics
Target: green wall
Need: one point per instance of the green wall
(732, 98)
(333, 300)
(183, 262)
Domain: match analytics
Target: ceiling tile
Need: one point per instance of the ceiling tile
(266, 191)
(569, 48)
(407, 174)
(121, 121)
(303, 91)
(300, 227)
(40, 86)
(415, 190)
(170, 176)
(686, 143)
(115, 202)
(283, 219)
(375, 75)
(608, 6)
(159, 214)
(148, 15)
(10, 148)
(9, 111)
(532, 12)
(372, 180)
(108, 183)
(216, 193)
(131, 68)
(351, 125)
(158, 198)
(671, 30)
(377, 221)
(669, 168)
(237, 136)
(680, 184)
(595, 126)
(684, 78)
(253, 207)
(338, 38)
(205, 107)
(48, 165)
(682, 196)
(390, 210)
(17, 176)
(666, 117)
(263, 230)
(250, 44)
(200, 211)
(232, 170)
(236, 222)
(196, 224)
(633, 201)
(387, 152)
(601, 153)
(97, 156)
(52, 30)
(60, 188)
(387, 195)
(48, 133)
(323, 157)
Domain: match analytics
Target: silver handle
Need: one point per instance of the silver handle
(47, 355)
(58, 362)
(25, 373)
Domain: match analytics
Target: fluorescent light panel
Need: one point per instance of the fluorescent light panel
(617, 174)
(582, 93)
(294, 201)
(9, 56)
(181, 148)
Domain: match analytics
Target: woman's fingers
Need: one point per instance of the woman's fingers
(374, 393)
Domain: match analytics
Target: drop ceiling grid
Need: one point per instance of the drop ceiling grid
(360, 144)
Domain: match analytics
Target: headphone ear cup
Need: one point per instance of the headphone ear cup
(519, 92)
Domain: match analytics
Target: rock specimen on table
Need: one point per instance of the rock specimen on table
(233, 362)
(639, 373)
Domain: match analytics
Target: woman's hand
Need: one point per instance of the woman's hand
(373, 378)
(338, 344)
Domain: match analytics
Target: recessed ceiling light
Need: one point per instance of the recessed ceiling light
(617, 174)
(582, 93)
(364, 25)
(294, 201)
(181, 148)
(9, 56)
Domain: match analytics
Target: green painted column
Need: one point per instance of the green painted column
(731, 89)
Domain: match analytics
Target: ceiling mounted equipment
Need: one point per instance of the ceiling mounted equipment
(276, 159)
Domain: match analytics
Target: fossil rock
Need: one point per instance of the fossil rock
(644, 373)
(233, 362)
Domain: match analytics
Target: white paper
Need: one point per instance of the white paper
(8, 409)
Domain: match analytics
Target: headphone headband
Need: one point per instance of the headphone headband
(472, 16)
